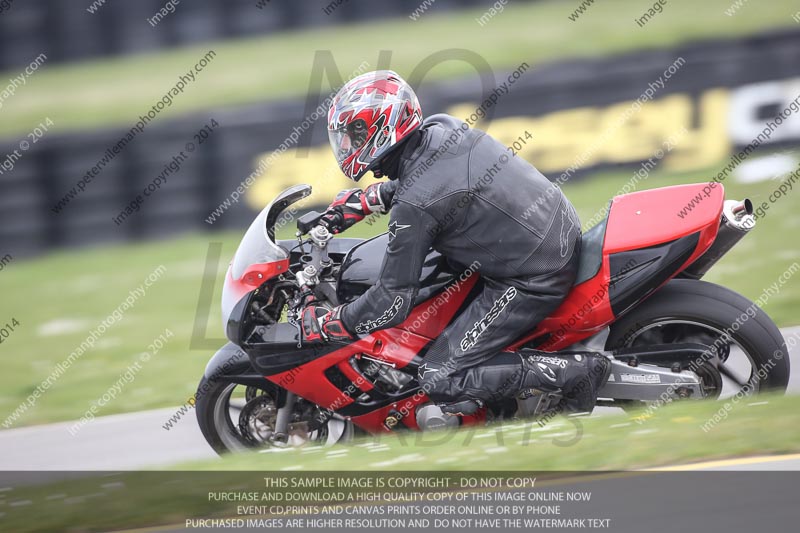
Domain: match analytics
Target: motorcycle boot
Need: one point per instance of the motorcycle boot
(578, 375)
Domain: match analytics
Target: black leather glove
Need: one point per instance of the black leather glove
(320, 324)
(352, 206)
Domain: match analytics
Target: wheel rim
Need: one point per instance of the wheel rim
(738, 362)
(226, 413)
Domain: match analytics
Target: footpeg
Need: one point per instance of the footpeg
(462, 408)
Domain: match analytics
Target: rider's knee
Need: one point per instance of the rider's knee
(433, 380)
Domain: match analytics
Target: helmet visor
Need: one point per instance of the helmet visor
(347, 140)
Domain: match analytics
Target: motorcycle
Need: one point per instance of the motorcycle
(638, 298)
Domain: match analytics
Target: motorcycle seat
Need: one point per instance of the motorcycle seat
(591, 258)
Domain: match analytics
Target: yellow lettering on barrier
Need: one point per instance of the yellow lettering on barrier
(510, 129)
(637, 137)
(580, 138)
(708, 143)
(561, 139)
(318, 169)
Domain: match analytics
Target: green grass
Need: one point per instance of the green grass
(59, 298)
(82, 288)
(117, 91)
(671, 435)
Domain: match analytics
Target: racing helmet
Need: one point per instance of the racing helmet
(370, 115)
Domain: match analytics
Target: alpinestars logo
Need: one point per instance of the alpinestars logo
(547, 372)
(388, 315)
(423, 370)
(394, 227)
(555, 361)
(472, 334)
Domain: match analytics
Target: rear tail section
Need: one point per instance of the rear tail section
(648, 238)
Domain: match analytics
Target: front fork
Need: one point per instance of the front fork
(284, 416)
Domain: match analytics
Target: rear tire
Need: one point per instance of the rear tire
(717, 308)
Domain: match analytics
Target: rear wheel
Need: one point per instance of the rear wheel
(752, 354)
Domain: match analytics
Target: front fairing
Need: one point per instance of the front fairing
(258, 257)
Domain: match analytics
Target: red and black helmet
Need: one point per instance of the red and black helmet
(368, 116)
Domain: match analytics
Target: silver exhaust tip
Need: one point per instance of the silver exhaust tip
(745, 206)
(736, 221)
(738, 214)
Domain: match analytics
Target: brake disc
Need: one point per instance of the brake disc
(257, 420)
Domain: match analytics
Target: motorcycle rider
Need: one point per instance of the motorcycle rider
(462, 193)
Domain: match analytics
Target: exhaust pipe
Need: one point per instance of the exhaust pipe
(738, 211)
(737, 220)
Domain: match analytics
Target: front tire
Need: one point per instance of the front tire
(692, 310)
(236, 418)
(221, 435)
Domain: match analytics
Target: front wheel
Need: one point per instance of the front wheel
(237, 418)
(752, 353)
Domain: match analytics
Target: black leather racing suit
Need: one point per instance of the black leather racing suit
(461, 192)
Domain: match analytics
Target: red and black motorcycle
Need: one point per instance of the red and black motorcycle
(638, 299)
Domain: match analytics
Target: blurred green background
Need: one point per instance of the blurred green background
(59, 297)
(114, 91)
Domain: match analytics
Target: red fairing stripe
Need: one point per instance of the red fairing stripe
(396, 345)
(257, 274)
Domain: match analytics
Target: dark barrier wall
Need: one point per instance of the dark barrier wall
(720, 95)
(67, 30)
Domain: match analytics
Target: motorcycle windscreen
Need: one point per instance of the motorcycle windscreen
(258, 247)
(258, 244)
